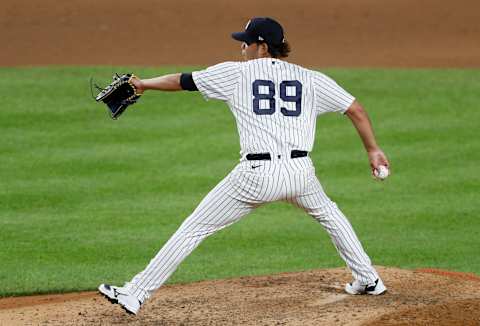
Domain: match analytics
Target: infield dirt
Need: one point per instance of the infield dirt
(341, 33)
(307, 298)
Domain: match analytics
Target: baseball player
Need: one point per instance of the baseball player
(275, 105)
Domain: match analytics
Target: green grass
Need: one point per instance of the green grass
(84, 199)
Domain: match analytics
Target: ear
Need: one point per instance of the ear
(263, 49)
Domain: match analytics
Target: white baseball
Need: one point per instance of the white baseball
(382, 172)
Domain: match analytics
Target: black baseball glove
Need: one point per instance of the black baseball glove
(119, 94)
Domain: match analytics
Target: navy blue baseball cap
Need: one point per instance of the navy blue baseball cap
(261, 29)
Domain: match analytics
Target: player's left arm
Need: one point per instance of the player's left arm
(171, 82)
(215, 82)
(361, 121)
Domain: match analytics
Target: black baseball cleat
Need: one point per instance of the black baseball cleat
(121, 296)
(356, 287)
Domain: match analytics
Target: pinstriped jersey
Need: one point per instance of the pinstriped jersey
(275, 103)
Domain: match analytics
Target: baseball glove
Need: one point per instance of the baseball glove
(119, 94)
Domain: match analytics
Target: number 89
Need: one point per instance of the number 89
(270, 96)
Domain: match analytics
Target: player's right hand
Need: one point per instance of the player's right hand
(377, 157)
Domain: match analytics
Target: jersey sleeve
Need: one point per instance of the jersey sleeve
(218, 82)
(329, 96)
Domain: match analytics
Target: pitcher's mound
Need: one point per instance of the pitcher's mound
(426, 297)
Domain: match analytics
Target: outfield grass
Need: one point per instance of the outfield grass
(84, 199)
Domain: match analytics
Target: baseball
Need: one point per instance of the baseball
(381, 173)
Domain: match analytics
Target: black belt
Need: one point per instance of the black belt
(266, 156)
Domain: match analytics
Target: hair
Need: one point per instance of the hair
(279, 51)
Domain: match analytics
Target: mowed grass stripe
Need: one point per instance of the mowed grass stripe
(84, 199)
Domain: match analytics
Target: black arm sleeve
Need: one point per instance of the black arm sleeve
(187, 83)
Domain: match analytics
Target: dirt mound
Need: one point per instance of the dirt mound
(307, 298)
(367, 33)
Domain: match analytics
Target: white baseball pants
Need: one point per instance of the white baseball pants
(249, 185)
